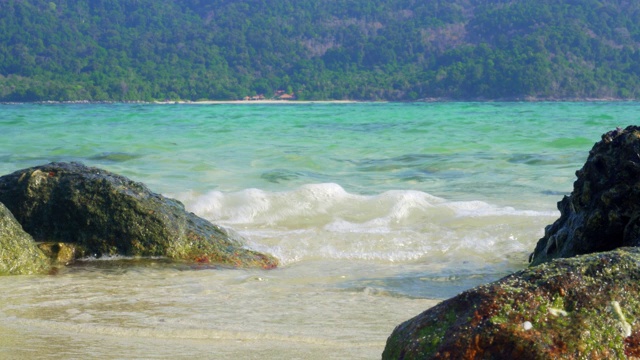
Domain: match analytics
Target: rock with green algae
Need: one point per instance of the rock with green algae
(60, 253)
(603, 211)
(585, 307)
(107, 214)
(19, 254)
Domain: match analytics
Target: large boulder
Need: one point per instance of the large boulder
(603, 211)
(102, 213)
(584, 307)
(19, 254)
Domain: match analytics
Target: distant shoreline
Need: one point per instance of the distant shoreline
(425, 100)
(300, 102)
(258, 102)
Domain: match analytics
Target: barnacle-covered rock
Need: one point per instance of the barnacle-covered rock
(584, 307)
(603, 211)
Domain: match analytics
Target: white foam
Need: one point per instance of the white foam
(480, 208)
(326, 221)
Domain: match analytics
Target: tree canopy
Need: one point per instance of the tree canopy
(125, 50)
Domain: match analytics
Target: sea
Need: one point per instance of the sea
(376, 212)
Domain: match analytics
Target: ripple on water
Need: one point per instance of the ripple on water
(114, 157)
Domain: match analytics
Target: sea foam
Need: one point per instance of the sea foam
(324, 221)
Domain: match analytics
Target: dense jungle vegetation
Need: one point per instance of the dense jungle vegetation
(121, 50)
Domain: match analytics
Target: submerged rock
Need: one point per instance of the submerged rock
(603, 211)
(19, 254)
(584, 307)
(102, 213)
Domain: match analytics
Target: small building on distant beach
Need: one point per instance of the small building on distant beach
(287, 97)
(254, 97)
(278, 95)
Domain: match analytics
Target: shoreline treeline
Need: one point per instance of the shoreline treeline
(402, 50)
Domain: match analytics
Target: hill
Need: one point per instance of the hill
(119, 50)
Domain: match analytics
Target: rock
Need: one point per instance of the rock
(19, 254)
(59, 253)
(102, 213)
(583, 307)
(603, 211)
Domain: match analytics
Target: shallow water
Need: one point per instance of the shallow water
(376, 211)
(112, 310)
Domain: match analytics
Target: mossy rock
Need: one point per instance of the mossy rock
(585, 307)
(60, 253)
(107, 214)
(19, 254)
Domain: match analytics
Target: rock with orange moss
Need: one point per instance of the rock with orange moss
(101, 213)
(585, 307)
(603, 211)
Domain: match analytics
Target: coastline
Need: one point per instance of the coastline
(256, 102)
(302, 102)
(425, 100)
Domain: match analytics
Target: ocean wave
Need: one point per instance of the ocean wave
(325, 221)
(327, 204)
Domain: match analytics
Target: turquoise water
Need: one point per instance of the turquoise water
(366, 148)
(375, 210)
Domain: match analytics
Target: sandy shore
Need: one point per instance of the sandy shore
(298, 102)
(257, 102)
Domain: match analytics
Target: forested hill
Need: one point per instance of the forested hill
(330, 49)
